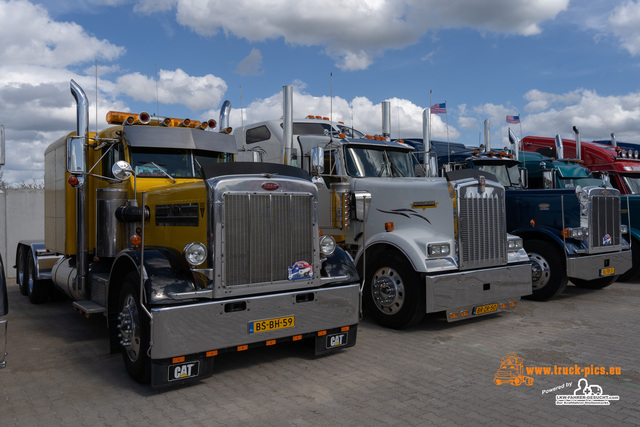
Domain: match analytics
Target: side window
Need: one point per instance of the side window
(116, 153)
(261, 133)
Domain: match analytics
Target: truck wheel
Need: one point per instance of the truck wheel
(393, 293)
(600, 283)
(133, 328)
(38, 290)
(21, 268)
(548, 275)
(632, 273)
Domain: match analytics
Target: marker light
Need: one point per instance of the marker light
(388, 226)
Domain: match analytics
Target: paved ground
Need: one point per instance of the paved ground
(60, 372)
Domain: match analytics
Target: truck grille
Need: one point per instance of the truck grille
(604, 221)
(482, 229)
(265, 234)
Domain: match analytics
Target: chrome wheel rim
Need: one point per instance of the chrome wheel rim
(130, 328)
(387, 290)
(540, 271)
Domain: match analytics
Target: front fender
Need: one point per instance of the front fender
(405, 242)
(339, 264)
(164, 271)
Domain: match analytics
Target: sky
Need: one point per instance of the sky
(555, 63)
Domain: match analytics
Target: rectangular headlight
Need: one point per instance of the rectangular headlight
(438, 249)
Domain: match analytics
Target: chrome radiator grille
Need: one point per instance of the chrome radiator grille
(604, 221)
(482, 229)
(265, 234)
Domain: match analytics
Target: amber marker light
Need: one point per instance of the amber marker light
(212, 353)
(388, 226)
(73, 180)
(271, 342)
(136, 240)
(322, 333)
(533, 223)
(344, 329)
(243, 347)
(464, 313)
(453, 315)
(178, 359)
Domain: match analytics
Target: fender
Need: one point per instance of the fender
(339, 264)
(405, 241)
(164, 271)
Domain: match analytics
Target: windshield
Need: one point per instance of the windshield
(378, 162)
(583, 182)
(158, 163)
(633, 183)
(509, 176)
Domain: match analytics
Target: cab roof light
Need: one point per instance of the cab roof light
(185, 123)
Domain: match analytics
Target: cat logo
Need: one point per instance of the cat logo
(183, 371)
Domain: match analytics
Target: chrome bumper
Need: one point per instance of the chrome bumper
(473, 288)
(588, 267)
(214, 325)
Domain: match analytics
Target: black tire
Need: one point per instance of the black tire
(393, 293)
(21, 268)
(600, 283)
(133, 328)
(38, 290)
(632, 273)
(548, 271)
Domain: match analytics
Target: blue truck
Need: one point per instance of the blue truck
(572, 233)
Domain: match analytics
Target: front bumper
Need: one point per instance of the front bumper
(589, 267)
(215, 325)
(461, 292)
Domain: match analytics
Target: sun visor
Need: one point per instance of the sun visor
(176, 137)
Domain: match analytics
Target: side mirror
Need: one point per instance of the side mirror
(317, 160)
(549, 178)
(75, 155)
(121, 170)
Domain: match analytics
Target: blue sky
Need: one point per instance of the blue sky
(557, 63)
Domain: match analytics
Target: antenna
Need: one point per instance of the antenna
(96, 97)
(156, 75)
(241, 113)
(331, 109)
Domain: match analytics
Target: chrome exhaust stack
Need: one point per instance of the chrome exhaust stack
(514, 144)
(487, 135)
(82, 131)
(430, 162)
(225, 111)
(559, 147)
(386, 119)
(578, 144)
(287, 122)
(614, 142)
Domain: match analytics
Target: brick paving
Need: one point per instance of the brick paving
(60, 372)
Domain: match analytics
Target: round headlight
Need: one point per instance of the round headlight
(327, 245)
(195, 253)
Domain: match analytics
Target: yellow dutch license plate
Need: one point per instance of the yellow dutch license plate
(485, 309)
(607, 271)
(271, 324)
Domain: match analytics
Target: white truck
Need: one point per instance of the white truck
(432, 244)
(4, 300)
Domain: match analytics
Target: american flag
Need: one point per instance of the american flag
(513, 119)
(439, 108)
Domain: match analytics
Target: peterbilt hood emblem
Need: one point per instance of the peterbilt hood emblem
(270, 186)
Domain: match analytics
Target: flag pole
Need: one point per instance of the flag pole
(446, 117)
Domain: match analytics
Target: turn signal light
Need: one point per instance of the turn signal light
(136, 240)
(388, 226)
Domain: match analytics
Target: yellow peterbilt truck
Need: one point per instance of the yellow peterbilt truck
(186, 253)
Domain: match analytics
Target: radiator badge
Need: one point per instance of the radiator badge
(300, 270)
(607, 240)
(270, 186)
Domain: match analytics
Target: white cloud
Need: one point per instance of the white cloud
(30, 36)
(355, 32)
(624, 22)
(362, 113)
(251, 65)
(175, 87)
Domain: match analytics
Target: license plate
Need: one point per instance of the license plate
(271, 324)
(182, 371)
(607, 271)
(485, 309)
(337, 340)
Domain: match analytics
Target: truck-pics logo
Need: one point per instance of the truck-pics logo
(511, 371)
(300, 270)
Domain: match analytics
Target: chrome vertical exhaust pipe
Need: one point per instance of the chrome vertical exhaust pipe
(386, 119)
(287, 119)
(578, 143)
(559, 147)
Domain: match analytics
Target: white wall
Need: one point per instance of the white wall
(21, 217)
